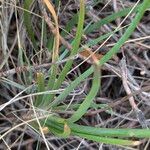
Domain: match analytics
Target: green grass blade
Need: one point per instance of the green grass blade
(70, 25)
(58, 123)
(65, 132)
(136, 133)
(50, 43)
(110, 18)
(57, 3)
(28, 23)
(12, 84)
(57, 129)
(103, 135)
(100, 39)
(93, 105)
(75, 45)
(40, 88)
(106, 140)
(89, 98)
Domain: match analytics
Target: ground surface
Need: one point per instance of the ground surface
(126, 74)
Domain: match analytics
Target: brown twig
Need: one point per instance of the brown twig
(139, 113)
(32, 68)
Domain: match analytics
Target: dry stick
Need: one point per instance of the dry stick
(39, 124)
(32, 68)
(21, 124)
(133, 40)
(144, 70)
(139, 113)
(24, 143)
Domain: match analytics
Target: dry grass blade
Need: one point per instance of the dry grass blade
(139, 114)
(52, 10)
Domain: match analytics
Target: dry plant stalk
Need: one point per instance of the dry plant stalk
(52, 10)
(139, 113)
